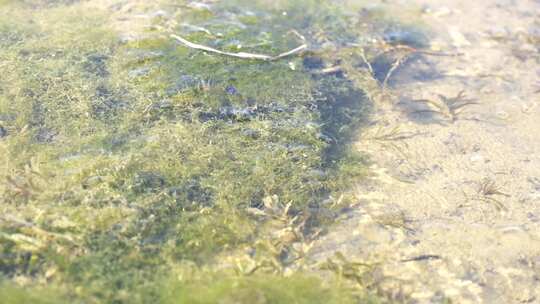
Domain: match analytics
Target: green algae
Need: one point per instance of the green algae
(12, 294)
(264, 289)
(123, 160)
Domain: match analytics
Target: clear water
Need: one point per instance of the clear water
(141, 169)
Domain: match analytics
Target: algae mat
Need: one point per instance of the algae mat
(138, 170)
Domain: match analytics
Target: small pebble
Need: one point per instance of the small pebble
(458, 38)
(231, 90)
(199, 5)
(292, 66)
(502, 115)
(3, 132)
(476, 157)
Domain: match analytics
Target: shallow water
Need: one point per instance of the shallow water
(452, 207)
(142, 169)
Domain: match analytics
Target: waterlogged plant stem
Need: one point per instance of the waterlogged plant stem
(240, 54)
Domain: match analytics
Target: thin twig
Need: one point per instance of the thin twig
(366, 62)
(329, 70)
(425, 52)
(241, 54)
(394, 67)
(197, 28)
(422, 257)
(298, 35)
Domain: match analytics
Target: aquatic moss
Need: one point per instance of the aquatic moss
(262, 289)
(209, 288)
(124, 159)
(12, 294)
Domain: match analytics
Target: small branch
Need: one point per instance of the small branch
(329, 70)
(298, 35)
(366, 62)
(197, 28)
(394, 67)
(426, 52)
(422, 257)
(241, 54)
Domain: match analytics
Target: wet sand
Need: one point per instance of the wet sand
(452, 208)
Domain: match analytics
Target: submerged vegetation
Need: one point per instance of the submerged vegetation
(134, 169)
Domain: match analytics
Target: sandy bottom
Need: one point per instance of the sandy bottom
(452, 209)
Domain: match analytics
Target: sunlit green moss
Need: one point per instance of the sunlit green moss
(124, 159)
(260, 289)
(204, 288)
(12, 294)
